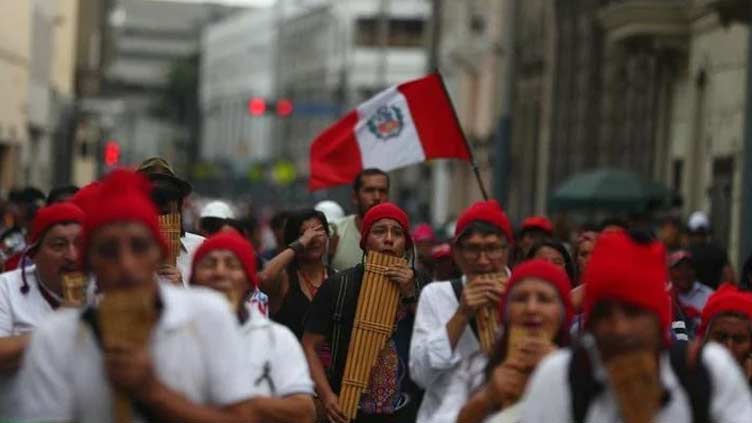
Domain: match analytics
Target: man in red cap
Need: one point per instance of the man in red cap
(28, 295)
(445, 349)
(391, 396)
(370, 188)
(188, 369)
(277, 366)
(622, 367)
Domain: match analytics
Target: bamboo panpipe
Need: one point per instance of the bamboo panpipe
(487, 318)
(634, 379)
(171, 226)
(374, 322)
(126, 317)
(74, 288)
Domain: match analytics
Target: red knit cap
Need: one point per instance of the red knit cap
(544, 270)
(622, 269)
(726, 299)
(50, 216)
(86, 196)
(123, 196)
(538, 222)
(485, 211)
(385, 211)
(235, 243)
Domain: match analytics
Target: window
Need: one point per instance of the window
(401, 32)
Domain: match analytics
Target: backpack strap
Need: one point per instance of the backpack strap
(582, 384)
(694, 379)
(457, 287)
(339, 306)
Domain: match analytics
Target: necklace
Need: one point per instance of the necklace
(312, 288)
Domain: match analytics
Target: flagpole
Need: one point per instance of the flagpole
(473, 163)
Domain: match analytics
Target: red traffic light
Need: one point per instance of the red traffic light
(284, 107)
(257, 106)
(111, 153)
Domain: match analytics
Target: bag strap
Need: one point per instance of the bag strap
(582, 384)
(339, 305)
(457, 287)
(694, 379)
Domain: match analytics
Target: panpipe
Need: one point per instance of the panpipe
(126, 316)
(374, 323)
(171, 226)
(487, 318)
(74, 288)
(634, 378)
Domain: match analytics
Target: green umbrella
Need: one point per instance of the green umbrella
(611, 189)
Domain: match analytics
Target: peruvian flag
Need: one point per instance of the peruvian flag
(403, 125)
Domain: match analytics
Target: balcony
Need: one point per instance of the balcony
(625, 19)
(730, 11)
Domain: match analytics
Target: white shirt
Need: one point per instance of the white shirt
(190, 243)
(278, 367)
(697, 296)
(548, 397)
(448, 376)
(20, 314)
(348, 252)
(195, 347)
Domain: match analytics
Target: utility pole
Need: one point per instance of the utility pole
(502, 163)
(745, 244)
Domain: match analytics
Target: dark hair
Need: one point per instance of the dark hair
(279, 219)
(58, 193)
(371, 171)
(558, 246)
(614, 221)
(479, 227)
(672, 220)
(295, 222)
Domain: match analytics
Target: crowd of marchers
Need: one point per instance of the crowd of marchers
(113, 309)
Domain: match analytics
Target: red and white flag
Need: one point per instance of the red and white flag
(403, 125)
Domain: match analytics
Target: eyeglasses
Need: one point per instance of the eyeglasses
(493, 251)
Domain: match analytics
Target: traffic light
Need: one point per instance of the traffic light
(111, 153)
(284, 107)
(257, 106)
(260, 106)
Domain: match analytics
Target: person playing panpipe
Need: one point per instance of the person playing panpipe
(383, 390)
(146, 351)
(226, 262)
(446, 355)
(29, 295)
(168, 194)
(536, 312)
(623, 369)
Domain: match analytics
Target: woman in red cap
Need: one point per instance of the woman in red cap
(188, 369)
(537, 305)
(278, 370)
(391, 395)
(727, 320)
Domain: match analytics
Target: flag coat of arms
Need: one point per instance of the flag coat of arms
(403, 125)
